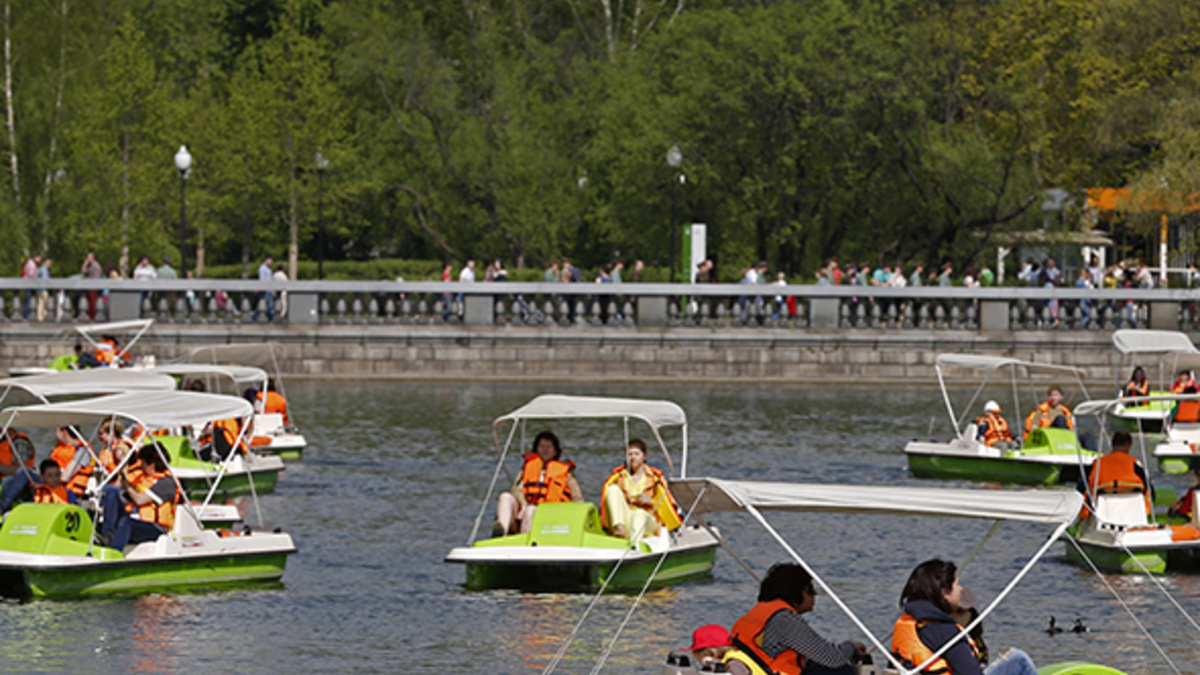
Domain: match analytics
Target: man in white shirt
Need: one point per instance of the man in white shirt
(468, 273)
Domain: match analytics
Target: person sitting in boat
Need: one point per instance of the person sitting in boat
(710, 643)
(1137, 386)
(1185, 506)
(545, 478)
(108, 353)
(993, 428)
(635, 501)
(929, 600)
(1187, 412)
(219, 439)
(51, 490)
(1050, 413)
(773, 638)
(1182, 382)
(15, 449)
(1116, 473)
(74, 458)
(150, 491)
(113, 446)
(271, 401)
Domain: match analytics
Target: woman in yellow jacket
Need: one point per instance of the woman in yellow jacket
(635, 501)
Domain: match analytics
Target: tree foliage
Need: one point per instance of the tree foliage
(890, 130)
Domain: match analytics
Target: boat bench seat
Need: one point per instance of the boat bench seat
(1127, 509)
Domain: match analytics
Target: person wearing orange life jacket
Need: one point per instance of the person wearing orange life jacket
(775, 638)
(1116, 473)
(1187, 412)
(635, 501)
(992, 427)
(1185, 506)
(1183, 381)
(271, 401)
(545, 477)
(1050, 413)
(51, 490)
(16, 462)
(151, 491)
(930, 597)
(1137, 386)
(74, 458)
(219, 439)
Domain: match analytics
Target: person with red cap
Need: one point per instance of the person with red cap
(710, 642)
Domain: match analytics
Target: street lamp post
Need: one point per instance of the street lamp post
(674, 160)
(183, 162)
(322, 163)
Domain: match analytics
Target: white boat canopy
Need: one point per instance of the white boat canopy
(989, 364)
(1130, 341)
(262, 355)
(1036, 506)
(136, 326)
(657, 414)
(154, 409)
(239, 375)
(91, 382)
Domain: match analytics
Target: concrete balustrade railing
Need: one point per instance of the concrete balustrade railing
(624, 306)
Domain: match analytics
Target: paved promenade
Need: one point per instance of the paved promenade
(563, 355)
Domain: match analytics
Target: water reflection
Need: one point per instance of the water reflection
(395, 476)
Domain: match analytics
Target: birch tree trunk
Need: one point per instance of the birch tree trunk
(293, 211)
(8, 99)
(123, 261)
(54, 120)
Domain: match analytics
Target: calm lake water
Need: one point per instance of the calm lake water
(394, 477)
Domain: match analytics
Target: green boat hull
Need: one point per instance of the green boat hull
(290, 454)
(576, 525)
(232, 486)
(996, 469)
(1078, 668)
(135, 578)
(1115, 561)
(631, 576)
(1175, 465)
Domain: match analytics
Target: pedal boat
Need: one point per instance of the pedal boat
(92, 333)
(1170, 350)
(1120, 537)
(1053, 508)
(285, 440)
(1049, 456)
(1176, 451)
(50, 551)
(268, 434)
(566, 549)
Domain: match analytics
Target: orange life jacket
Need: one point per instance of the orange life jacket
(747, 635)
(1135, 389)
(1043, 415)
(6, 448)
(62, 454)
(44, 494)
(550, 486)
(997, 429)
(227, 430)
(1182, 384)
(910, 651)
(161, 514)
(1187, 411)
(1115, 473)
(274, 403)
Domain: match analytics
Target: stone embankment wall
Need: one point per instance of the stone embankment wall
(553, 354)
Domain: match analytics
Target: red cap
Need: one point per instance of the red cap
(709, 635)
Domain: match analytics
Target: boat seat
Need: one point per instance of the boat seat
(1127, 509)
(268, 424)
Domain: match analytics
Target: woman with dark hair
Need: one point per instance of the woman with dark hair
(930, 597)
(775, 638)
(1138, 386)
(546, 477)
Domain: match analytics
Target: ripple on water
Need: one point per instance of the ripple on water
(394, 477)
